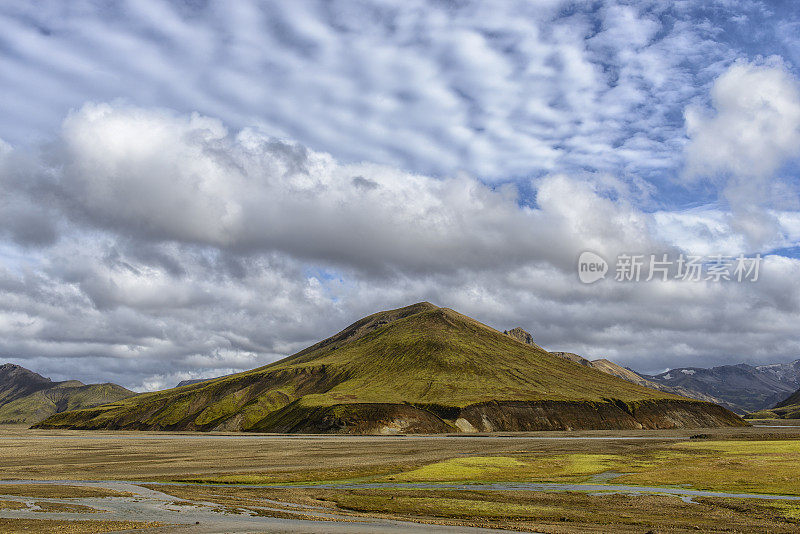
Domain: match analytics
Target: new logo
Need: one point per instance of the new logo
(591, 267)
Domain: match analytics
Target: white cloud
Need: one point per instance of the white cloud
(159, 176)
(753, 132)
(189, 249)
(755, 127)
(497, 91)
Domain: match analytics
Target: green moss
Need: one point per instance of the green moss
(763, 414)
(37, 406)
(174, 412)
(788, 510)
(223, 408)
(456, 469)
(442, 507)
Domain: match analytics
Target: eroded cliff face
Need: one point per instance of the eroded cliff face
(494, 416)
(503, 416)
(611, 415)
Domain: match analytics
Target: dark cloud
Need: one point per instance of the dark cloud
(364, 183)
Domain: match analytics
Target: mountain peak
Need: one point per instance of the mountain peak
(16, 382)
(28, 397)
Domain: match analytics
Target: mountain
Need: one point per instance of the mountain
(787, 373)
(609, 367)
(415, 369)
(17, 382)
(27, 397)
(741, 388)
(789, 408)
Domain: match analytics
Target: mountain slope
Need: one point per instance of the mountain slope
(788, 408)
(17, 382)
(191, 381)
(609, 367)
(742, 388)
(792, 400)
(573, 358)
(415, 369)
(27, 397)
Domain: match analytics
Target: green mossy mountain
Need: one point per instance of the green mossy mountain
(27, 397)
(415, 369)
(788, 408)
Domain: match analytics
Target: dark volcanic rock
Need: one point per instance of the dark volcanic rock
(611, 415)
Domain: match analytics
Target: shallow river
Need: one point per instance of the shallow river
(206, 517)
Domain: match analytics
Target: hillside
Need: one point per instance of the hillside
(191, 381)
(789, 408)
(415, 369)
(609, 367)
(27, 397)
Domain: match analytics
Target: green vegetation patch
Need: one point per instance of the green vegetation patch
(457, 469)
(734, 466)
(438, 506)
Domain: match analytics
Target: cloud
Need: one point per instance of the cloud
(254, 176)
(186, 249)
(753, 132)
(25, 215)
(157, 176)
(496, 91)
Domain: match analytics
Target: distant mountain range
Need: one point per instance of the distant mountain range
(416, 369)
(788, 408)
(609, 367)
(741, 388)
(27, 397)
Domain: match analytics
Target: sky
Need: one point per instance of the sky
(193, 188)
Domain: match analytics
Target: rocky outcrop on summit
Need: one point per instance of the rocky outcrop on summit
(520, 335)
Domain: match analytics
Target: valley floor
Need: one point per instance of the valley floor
(716, 480)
